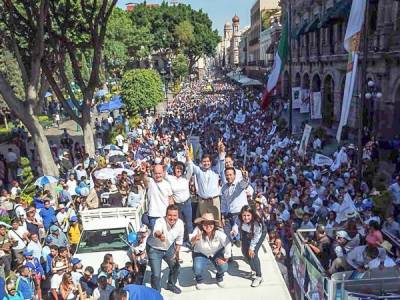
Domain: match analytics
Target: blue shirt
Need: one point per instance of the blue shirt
(141, 292)
(207, 182)
(49, 216)
(24, 285)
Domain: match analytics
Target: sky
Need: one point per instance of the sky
(219, 11)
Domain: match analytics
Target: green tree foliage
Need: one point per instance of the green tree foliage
(180, 66)
(118, 36)
(10, 70)
(141, 89)
(176, 28)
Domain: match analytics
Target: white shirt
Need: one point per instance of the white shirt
(180, 188)
(209, 247)
(207, 182)
(120, 140)
(11, 157)
(36, 247)
(72, 184)
(80, 173)
(172, 234)
(17, 235)
(56, 281)
(157, 194)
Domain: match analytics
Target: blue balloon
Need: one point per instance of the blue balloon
(78, 190)
(132, 237)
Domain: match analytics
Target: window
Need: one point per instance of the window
(102, 240)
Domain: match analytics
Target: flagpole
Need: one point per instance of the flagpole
(290, 66)
(361, 99)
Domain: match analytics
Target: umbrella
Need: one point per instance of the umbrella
(117, 158)
(101, 93)
(115, 153)
(111, 147)
(44, 180)
(120, 170)
(105, 173)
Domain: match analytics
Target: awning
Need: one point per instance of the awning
(252, 82)
(312, 26)
(301, 29)
(340, 11)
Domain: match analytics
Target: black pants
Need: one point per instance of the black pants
(254, 262)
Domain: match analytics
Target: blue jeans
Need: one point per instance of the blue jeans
(230, 220)
(155, 258)
(200, 262)
(185, 214)
(254, 262)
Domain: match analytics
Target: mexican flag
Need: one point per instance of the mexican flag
(279, 63)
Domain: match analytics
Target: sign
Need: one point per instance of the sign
(304, 140)
(305, 101)
(321, 160)
(296, 100)
(316, 105)
(194, 141)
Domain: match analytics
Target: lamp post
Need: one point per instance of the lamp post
(372, 95)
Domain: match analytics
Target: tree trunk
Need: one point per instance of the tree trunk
(41, 144)
(88, 132)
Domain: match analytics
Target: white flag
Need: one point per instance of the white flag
(352, 45)
(321, 160)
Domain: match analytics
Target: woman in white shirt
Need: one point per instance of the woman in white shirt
(252, 234)
(209, 243)
(181, 195)
(72, 184)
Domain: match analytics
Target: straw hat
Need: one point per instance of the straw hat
(59, 266)
(387, 246)
(206, 217)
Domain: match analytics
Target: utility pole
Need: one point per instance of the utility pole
(361, 99)
(290, 66)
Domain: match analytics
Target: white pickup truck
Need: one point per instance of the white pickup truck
(105, 230)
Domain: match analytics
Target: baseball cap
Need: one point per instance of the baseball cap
(343, 234)
(75, 261)
(27, 252)
(53, 228)
(73, 219)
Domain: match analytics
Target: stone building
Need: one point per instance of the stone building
(319, 59)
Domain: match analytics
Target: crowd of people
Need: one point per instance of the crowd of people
(217, 172)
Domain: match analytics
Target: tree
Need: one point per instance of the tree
(184, 33)
(23, 33)
(116, 45)
(76, 29)
(141, 89)
(180, 66)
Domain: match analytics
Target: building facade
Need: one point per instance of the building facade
(261, 9)
(320, 61)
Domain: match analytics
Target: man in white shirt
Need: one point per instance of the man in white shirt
(164, 244)
(19, 235)
(159, 194)
(103, 291)
(12, 163)
(233, 198)
(120, 140)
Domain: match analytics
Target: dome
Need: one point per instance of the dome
(227, 25)
(235, 19)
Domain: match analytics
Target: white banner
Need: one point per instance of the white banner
(304, 140)
(305, 101)
(352, 45)
(316, 106)
(321, 160)
(348, 92)
(296, 97)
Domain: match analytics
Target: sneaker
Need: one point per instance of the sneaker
(173, 288)
(221, 284)
(256, 282)
(200, 286)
